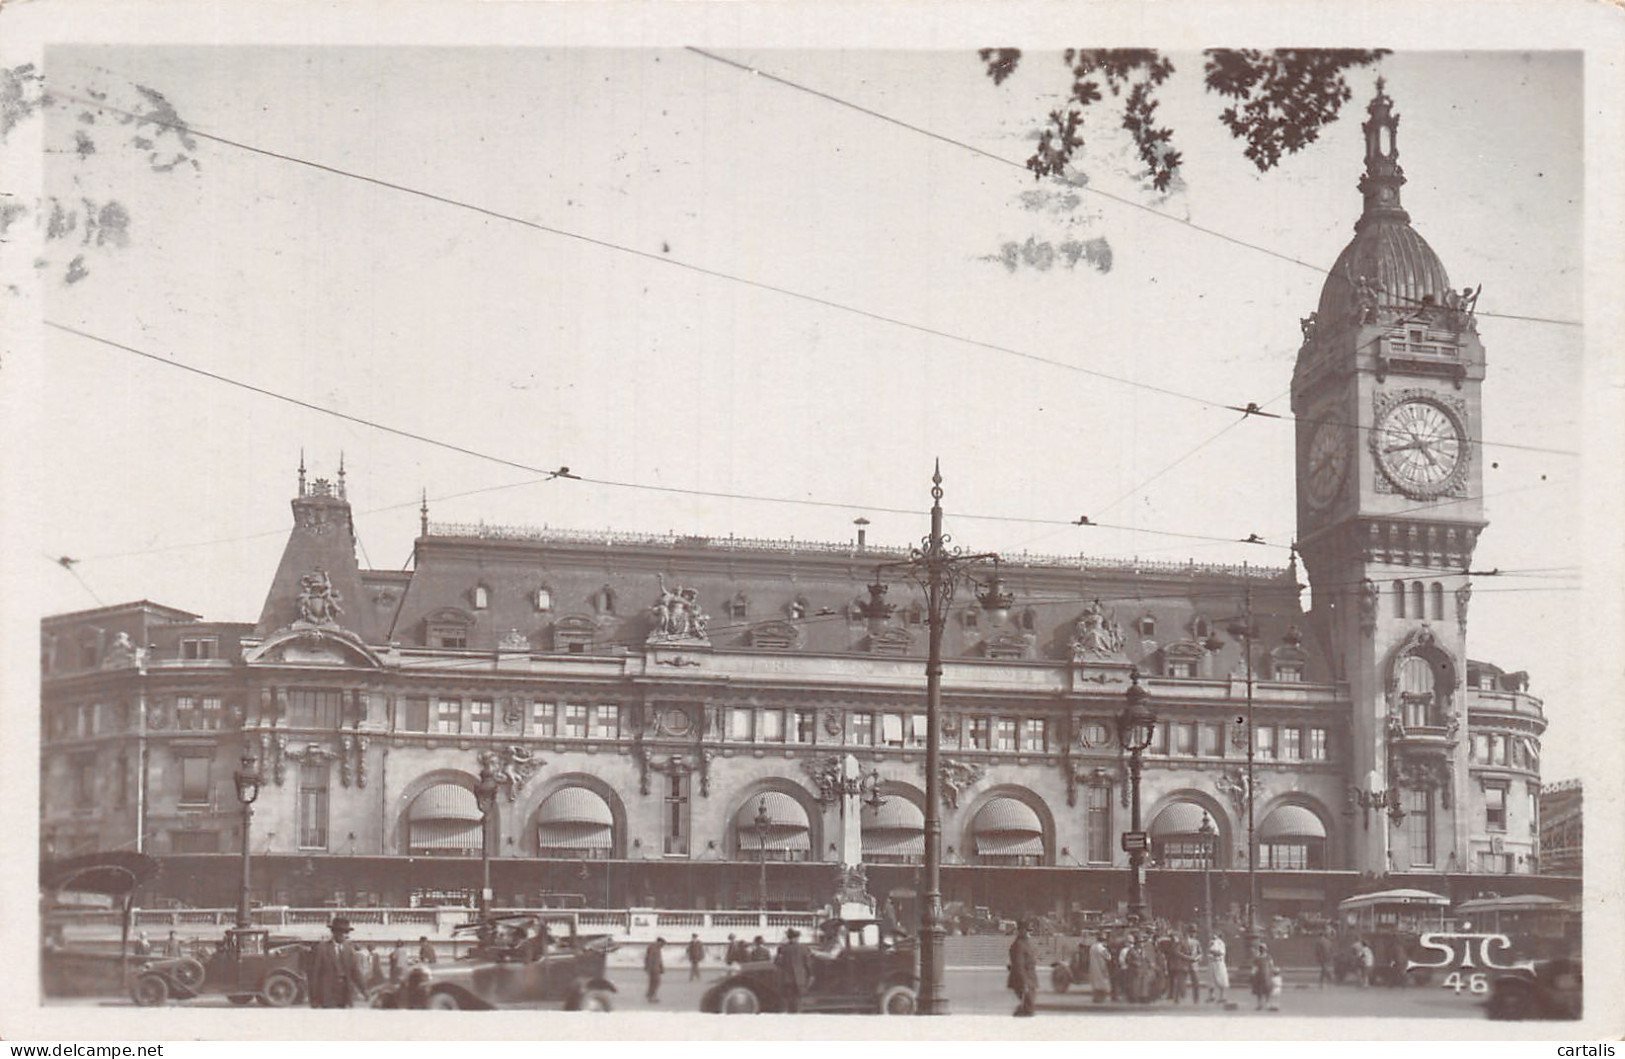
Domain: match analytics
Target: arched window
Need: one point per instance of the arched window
(444, 821)
(1438, 601)
(1008, 831)
(1292, 839)
(1176, 837)
(1416, 691)
(482, 597)
(1418, 600)
(894, 833)
(574, 823)
(785, 833)
(1399, 599)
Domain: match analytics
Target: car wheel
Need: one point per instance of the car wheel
(444, 1000)
(898, 1000)
(241, 998)
(1512, 1003)
(189, 973)
(149, 991)
(739, 1000)
(595, 1000)
(279, 990)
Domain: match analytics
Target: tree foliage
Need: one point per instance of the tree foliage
(1280, 100)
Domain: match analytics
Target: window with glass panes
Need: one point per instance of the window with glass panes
(863, 728)
(891, 729)
(313, 708)
(606, 721)
(1034, 734)
(1099, 824)
(1291, 744)
(772, 726)
(121, 782)
(195, 785)
(1184, 739)
(741, 724)
(676, 837)
(209, 711)
(915, 733)
(1284, 856)
(1212, 740)
(803, 726)
(1004, 734)
(1098, 736)
(313, 781)
(1264, 742)
(1495, 808)
(1179, 853)
(1289, 673)
(84, 780)
(544, 719)
(448, 716)
(1418, 805)
(980, 730)
(186, 715)
(412, 715)
(1159, 739)
(575, 720)
(1181, 668)
(479, 716)
(1318, 750)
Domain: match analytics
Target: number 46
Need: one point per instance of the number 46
(1476, 983)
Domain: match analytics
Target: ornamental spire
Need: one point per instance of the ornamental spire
(1383, 175)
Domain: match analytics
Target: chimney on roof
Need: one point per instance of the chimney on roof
(863, 525)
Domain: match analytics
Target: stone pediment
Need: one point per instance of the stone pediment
(305, 644)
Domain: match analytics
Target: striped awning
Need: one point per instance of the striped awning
(787, 826)
(1007, 827)
(444, 834)
(896, 829)
(1291, 821)
(575, 805)
(445, 802)
(1178, 820)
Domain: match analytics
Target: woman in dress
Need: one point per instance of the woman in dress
(1218, 970)
(1264, 976)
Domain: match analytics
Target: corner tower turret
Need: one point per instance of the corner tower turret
(318, 581)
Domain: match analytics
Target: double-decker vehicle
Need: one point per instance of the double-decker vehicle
(248, 966)
(863, 966)
(519, 960)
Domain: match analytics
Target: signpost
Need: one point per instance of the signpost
(1135, 841)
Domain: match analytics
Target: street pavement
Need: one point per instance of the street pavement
(981, 991)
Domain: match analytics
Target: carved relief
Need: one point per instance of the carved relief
(513, 640)
(1096, 635)
(346, 745)
(512, 766)
(954, 776)
(513, 713)
(318, 599)
(677, 615)
(361, 744)
(1370, 597)
(1233, 783)
(832, 721)
(826, 773)
(1464, 596)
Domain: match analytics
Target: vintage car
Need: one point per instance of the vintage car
(519, 960)
(1555, 989)
(859, 966)
(248, 965)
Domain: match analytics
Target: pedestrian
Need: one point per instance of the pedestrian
(399, 961)
(335, 969)
(794, 962)
(758, 951)
(1118, 948)
(143, 944)
(376, 974)
(426, 953)
(1266, 979)
(1323, 957)
(1100, 970)
(1366, 960)
(1137, 973)
(1190, 959)
(172, 946)
(1172, 962)
(735, 953)
(654, 965)
(696, 956)
(1023, 978)
(363, 962)
(1218, 970)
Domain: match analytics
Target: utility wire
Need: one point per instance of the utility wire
(664, 259)
(755, 71)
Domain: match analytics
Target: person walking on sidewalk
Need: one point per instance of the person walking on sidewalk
(1266, 979)
(696, 956)
(1023, 980)
(1218, 971)
(1323, 957)
(1100, 969)
(654, 965)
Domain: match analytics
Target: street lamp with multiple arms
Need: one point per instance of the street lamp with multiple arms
(763, 823)
(1207, 835)
(938, 569)
(1136, 726)
(485, 796)
(248, 781)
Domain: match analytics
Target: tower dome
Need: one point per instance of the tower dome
(1387, 263)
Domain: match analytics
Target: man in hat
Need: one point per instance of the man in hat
(1023, 977)
(757, 953)
(696, 956)
(794, 962)
(335, 969)
(654, 965)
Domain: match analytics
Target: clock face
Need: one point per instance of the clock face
(1420, 447)
(1327, 465)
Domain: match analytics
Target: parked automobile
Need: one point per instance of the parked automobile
(1555, 989)
(249, 965)
(862, 966)
(520, 960)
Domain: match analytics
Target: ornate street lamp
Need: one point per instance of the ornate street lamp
(248, 781)
(485, 796)
(1136, 727)
(938, 569)
(763, 823)
(1208, 836)
(1372, 797)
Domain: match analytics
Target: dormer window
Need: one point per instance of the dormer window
(1147, 626)
(1201, 628)
(1289, 674)
(1486, 682)
(481, 597)
(914, 614)
(971, 617)
(739, 607)
(543, 599)
(798, 608)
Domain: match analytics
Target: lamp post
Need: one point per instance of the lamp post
(1136, 726)
(938, 569)
(1208, 835)
(763, 822)
(248, 780)
(485, 796)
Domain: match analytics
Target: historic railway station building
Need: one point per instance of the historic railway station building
(665, 712)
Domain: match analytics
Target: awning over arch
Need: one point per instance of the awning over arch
(896, 829)
(1007, 827)
(787, 827)
(444, 818)
(1289, 822)
(575, 818)
(1179, 820)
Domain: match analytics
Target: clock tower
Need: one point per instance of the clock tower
(1386, 396)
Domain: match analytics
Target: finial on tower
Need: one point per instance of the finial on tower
(301, 470)
(1383, 176)
(341, 475)
(423, 516)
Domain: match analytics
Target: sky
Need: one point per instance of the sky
(544, 349)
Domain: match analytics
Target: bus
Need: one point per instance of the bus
(1392, 922)
(1539, 927)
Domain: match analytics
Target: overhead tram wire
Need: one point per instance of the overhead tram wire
(667, 260)
(608, 482)
(1002, 160)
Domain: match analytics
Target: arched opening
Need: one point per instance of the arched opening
(1399, 599)
(1008, 831)
(1437, 593)
(1177, 840)
(574, 823)
(444, 821)
(1418, 602)
(772, 825)
(1417, 693)
(894, 833)
(1292, 838)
